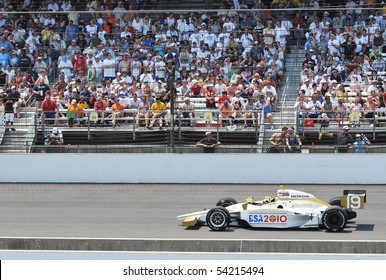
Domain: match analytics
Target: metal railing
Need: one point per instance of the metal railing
(354, 119)
(189, 149)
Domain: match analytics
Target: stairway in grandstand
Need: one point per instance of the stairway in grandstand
(284, 115)
(19, 140)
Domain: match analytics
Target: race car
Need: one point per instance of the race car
(289, 209)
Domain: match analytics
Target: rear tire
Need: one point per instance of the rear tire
(337, 201)
(218, 218)
(226, 201)
(334, 218)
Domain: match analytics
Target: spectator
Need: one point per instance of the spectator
(55, 138)
(249, 112)
(65, 66)
(109, 68)
(270, 92)
(143, 112)
(9, 113)
(264, 108)
(74, 111)
(4, 79)
(293, 142)
(39, 91)
(226, 111)
(187, 110)
(100, 108)
(49, 108)
(208, 143)
(117, 112)
(39, 66)
(14, 95)
(269, 34)
(79, 63)
(278, 141)
(158, 112)
(314, 108)
(359, 145)
(370, 107)
(344, 140)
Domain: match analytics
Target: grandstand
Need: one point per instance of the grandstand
(128, 52)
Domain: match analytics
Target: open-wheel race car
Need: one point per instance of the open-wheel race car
(289, 209)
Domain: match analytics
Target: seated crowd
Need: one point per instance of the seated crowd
(343, 73)
(115, 58)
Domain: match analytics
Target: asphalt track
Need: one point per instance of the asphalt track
(149, 211)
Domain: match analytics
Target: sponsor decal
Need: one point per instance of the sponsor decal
(258, 218)
(299, 196)
(283, 193)
(301, 205)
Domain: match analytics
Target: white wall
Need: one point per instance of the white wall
(194, 168)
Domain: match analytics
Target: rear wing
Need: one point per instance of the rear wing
(353, 199)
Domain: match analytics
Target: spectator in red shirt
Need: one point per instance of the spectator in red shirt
(223, 97)
(100, 107)
(49, 108)
(79, 63)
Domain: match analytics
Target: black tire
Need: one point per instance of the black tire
(335, 201)
(218, 218)
(338, 201)
(226, 201)
(334, 218)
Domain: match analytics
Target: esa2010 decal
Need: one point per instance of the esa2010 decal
(258, 218)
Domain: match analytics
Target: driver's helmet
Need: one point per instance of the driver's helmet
(268, 199)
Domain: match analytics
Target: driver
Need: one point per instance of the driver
(268, 199)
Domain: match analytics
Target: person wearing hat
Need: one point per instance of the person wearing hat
(74, 111)
(208, 143)
(117, 112)
(39, 65)
(187, 110)
(55, 138)
(344, 140)
(100, 107)
(359, 145)
(14, 95)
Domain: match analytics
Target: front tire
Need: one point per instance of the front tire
(218, 218)
(226, 201)
(334, 218)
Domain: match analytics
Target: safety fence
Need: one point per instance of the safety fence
(192, 149)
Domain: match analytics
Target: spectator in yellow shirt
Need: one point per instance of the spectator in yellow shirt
(158, 111)
(74, 111)
(82, 102)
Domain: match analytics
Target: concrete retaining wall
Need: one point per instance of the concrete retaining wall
(194, 168)
(199, 245)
